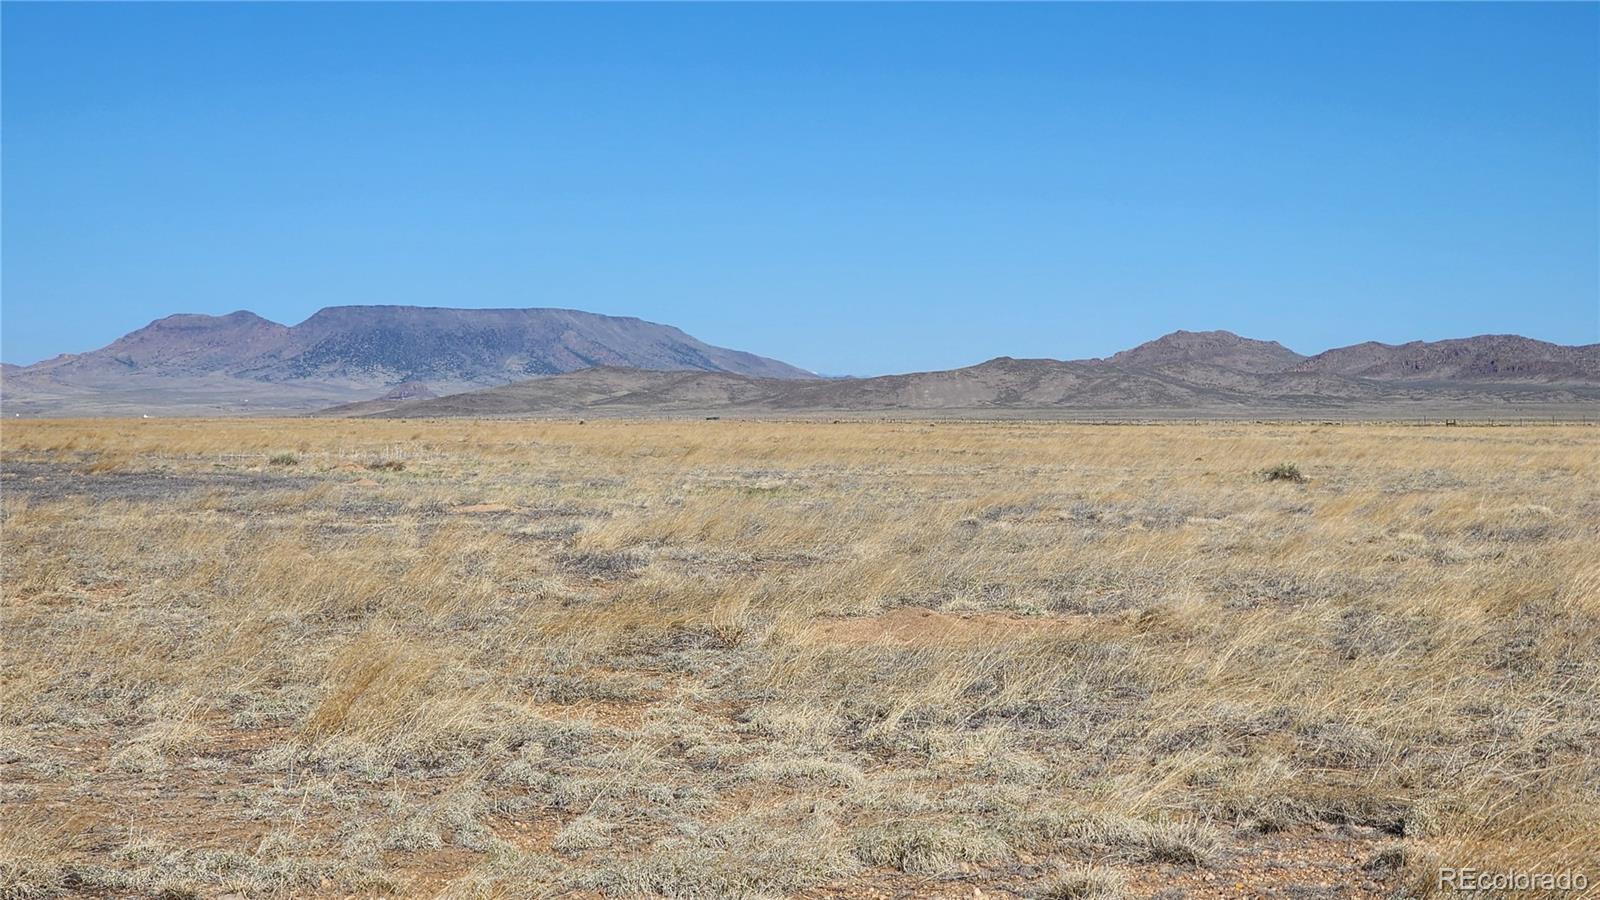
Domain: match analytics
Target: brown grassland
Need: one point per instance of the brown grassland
(712, 659)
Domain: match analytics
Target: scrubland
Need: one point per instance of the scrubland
(712, 659)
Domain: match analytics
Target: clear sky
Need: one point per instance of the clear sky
(850, 188)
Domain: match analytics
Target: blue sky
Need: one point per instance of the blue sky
(851, 188)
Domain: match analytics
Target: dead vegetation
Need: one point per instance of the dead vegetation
(743, 659)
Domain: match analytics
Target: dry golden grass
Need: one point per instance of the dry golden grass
(730, 658)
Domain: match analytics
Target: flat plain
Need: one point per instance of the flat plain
(734, 658)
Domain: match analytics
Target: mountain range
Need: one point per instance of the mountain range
(416, 361)
(1185, 384)
(241, 361)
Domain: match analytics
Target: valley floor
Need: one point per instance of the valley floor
(732, 658)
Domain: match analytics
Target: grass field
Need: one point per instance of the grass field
(707, 659)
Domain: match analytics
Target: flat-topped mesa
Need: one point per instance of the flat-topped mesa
(382, 346)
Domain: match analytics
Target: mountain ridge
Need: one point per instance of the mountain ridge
(1166, 376)
(1505, 357)
(370, 360)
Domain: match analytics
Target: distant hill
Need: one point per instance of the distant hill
(1214, 374)
(1489, 357)
(1217, 348)
(242, 361)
